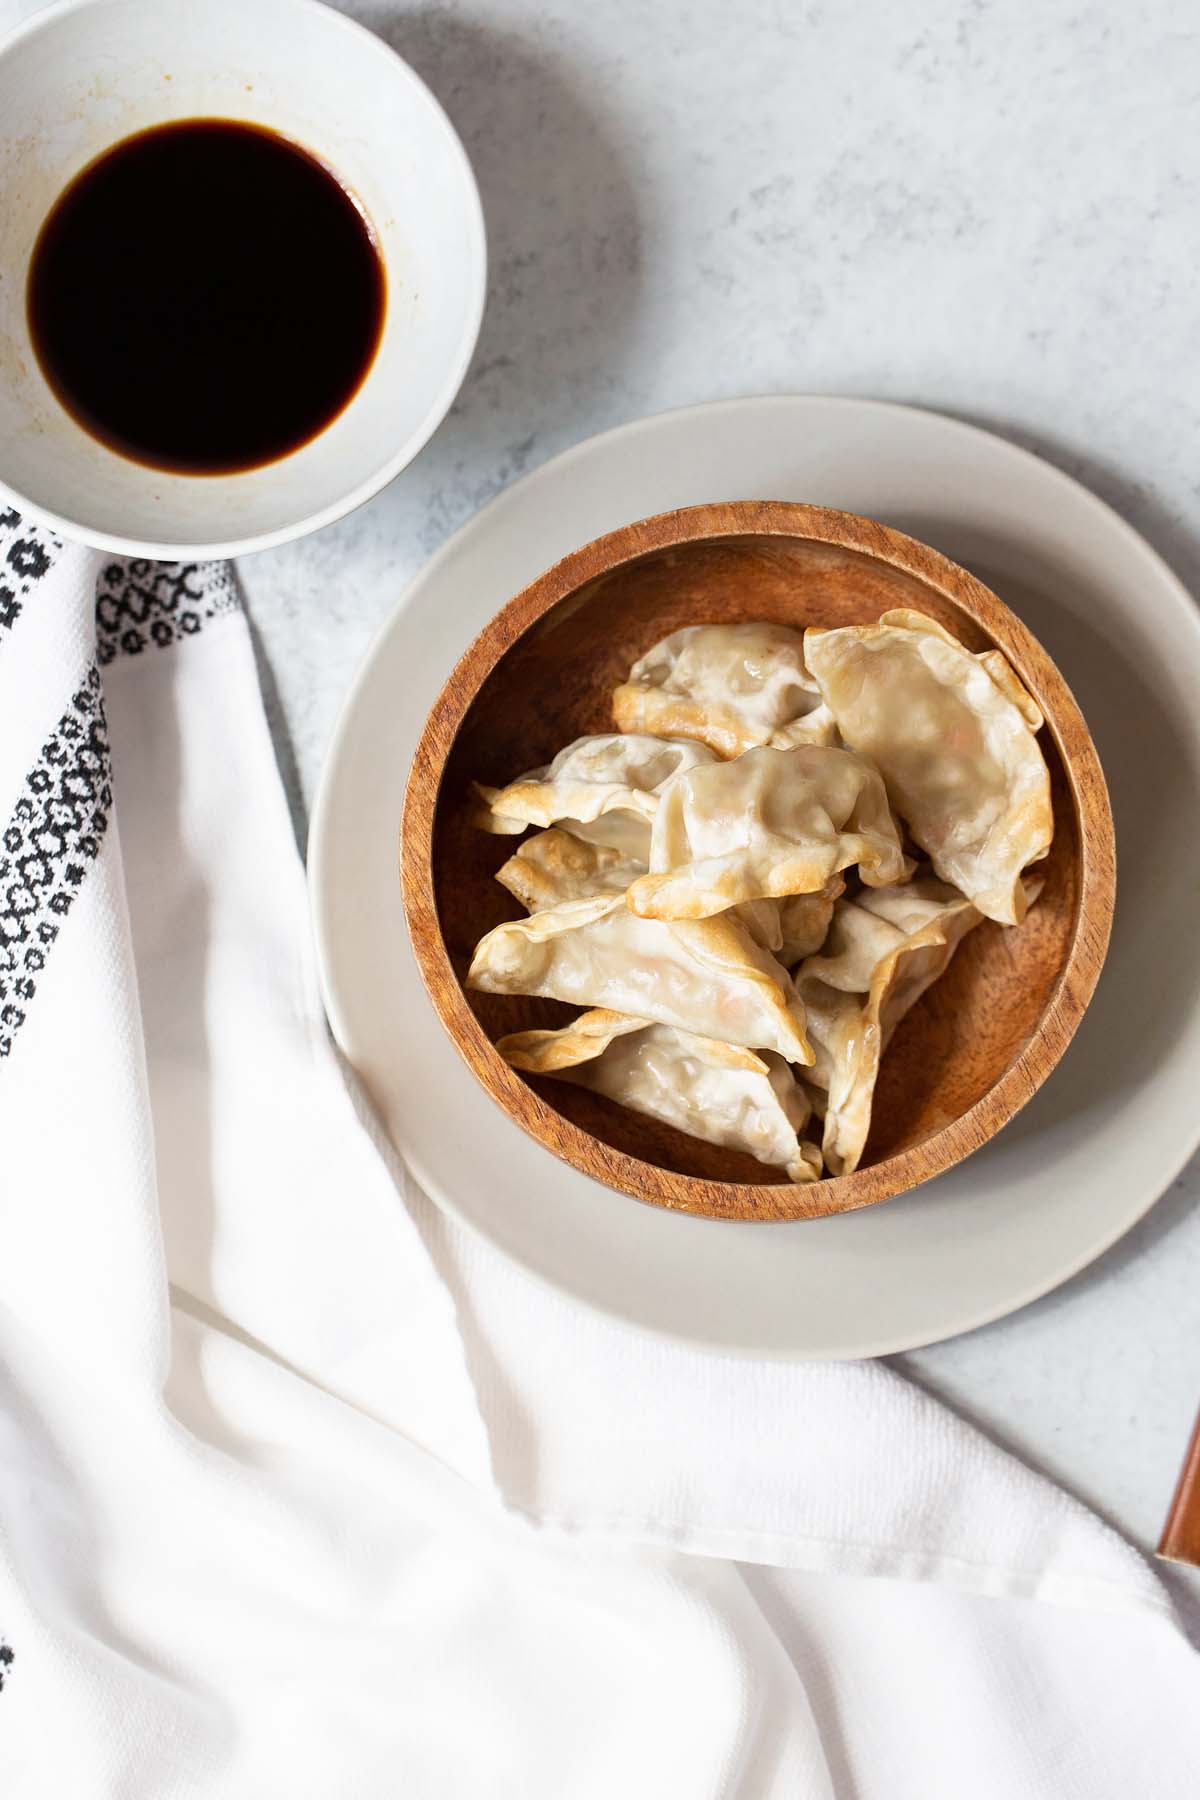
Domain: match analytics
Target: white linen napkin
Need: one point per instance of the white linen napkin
(274, 1521)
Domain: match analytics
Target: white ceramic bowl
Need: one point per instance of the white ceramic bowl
(77, 79)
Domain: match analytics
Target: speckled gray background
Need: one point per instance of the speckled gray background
(991, 209)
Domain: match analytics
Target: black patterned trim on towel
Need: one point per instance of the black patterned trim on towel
(141, 603)
(26, 554)
(8, 1657)
(50, 841)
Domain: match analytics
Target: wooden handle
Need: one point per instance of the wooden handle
(1180, 1541)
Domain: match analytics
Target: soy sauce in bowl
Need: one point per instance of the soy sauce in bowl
(206, 297)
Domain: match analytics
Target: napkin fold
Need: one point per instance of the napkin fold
(304, 1492)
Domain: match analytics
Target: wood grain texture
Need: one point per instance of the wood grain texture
(1180, 1540)
(543, 671)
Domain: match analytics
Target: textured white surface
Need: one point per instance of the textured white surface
(985, 209)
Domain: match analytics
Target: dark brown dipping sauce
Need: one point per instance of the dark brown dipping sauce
(205, 297)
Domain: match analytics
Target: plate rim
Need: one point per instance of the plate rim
(320, 866)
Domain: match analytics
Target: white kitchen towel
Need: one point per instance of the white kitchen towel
(266, 1530)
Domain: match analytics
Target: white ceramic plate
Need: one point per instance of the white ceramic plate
(1115, 1122)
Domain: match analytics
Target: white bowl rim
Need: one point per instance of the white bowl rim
(184, 550)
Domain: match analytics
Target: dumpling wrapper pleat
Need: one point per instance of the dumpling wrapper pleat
(602, 789)
(554, 865)
(732, 687)
(771, 824)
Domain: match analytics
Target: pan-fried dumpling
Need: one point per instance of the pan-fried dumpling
(953, 735)
(792, 928)
(771, 823)
(720, 1092)
(804, 920)
(842, 1079)
(586, 1038)
(732, 687)
(706, 976)
(885, 947)
(602, 789)
(553, 866)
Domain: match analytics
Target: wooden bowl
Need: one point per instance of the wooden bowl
(981, 1041)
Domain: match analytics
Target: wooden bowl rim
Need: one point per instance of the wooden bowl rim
(1073, 987)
